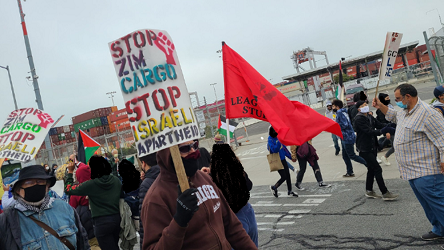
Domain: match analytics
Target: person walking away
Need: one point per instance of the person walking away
(228, 174)
(385, 99)
(198, 218)
(81, 205)
(307, 153)
(352, 110)
(349, 138)
(367, 145)
(275, 146)
(25, 225)
(332, 115)
(420, 126)
(104, 191)
(151, 170)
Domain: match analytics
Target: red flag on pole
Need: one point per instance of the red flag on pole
(249, 94)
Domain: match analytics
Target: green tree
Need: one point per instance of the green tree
(345, 78)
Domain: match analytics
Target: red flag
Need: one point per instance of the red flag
(249, 94)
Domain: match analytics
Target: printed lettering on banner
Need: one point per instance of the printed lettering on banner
(154, 90)
(23, 133)
(392, 43)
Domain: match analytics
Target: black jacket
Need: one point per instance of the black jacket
(381, 117)
(85, 217)
(352, 112)
(150, 177)
(366, 133)
(11, 235)
(204, 159)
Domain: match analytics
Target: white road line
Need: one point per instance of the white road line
(270, 229)
(265, 202)
(278, 216)
(276, 223)
(266, 205)
(302, 211)
(301, 195)
(292, 217)
(285, 196)
(250, 158)
(300, 205)
(273, 215)
(315, 201)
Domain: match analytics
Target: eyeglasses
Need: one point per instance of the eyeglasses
(31, 183)
(187, 148)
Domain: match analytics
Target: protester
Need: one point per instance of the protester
(419, 126)
(47, 169)
(367, 129)
(385, 99)
(115, 162)
(198, 218)
(204, 159)
(349, 137)
(23, 225)
(275, 146)
(307, 153)
(438, 104)
(330, 113)
(53, 170)
(151, 170)
(352, 110)
(130, 186)
(218, 139)
(8, 199)
(103, 191)
(229, 176)
(81, 205)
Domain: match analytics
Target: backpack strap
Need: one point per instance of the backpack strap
(440, 108)
(54, 233)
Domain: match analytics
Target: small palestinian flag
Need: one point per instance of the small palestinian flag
(222, 126)
(340, 89)
(86, 148)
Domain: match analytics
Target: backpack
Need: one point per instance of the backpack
(132, 199)
(440, 108)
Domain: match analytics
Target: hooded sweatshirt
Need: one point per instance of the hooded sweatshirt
(103, 193)
(438, 106)
(213, 226)
(83, 174)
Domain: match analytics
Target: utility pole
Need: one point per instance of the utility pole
(12, 87)
(217, 107)
(209, 116)
(111, 95)
(432, 60)
(33, 74)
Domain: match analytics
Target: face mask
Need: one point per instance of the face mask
(365, 109)
(116, 156)
(195, 155)
(190, 163)
(401, 105)
(35, 193)
(47, 168)
(335, 110)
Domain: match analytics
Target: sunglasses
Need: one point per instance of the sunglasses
(187, 148)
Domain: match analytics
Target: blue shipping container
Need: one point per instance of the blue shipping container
(53, 131)
(104, 120)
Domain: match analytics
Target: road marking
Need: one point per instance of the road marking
(270, 229)
(316, 201)
(278, 216)
(265, 202)
(276, 223)
(301, 195)
(300, 205)
(292, 217)
(272, 215)
(302, 211)
(250, 158)
(266, 205)
(285, 196)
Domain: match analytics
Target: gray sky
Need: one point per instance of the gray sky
(69, 41)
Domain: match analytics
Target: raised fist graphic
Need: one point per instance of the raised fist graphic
(45, 120)
(166, 46)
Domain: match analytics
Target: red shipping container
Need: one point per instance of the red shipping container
(71, 128)
(59, 130)
(398, 65)
(112, 128)
(113, 109)
(424, 58)
(54, 138)
(84, 117)
(118, 115)
(413, 62)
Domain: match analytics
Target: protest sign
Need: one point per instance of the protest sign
(392, 43)
(154, 91)
(23, 132)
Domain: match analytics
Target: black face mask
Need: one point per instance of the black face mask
(35, 193)
(190, 166)
(335, 110)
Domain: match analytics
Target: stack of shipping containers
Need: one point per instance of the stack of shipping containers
(118, 121)
(94, 123)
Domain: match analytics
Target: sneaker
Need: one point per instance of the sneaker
(379, 161)
(385, 160)
(322, 184)
(299, 187)
(372, 194)
(293, 194)
(274, 191)
(337, 152)
(431, 236)
(389, 196)
(348, 175)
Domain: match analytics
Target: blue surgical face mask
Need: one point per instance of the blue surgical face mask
(401, 105)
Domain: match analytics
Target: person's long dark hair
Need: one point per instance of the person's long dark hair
(228, 174)
(99, 166)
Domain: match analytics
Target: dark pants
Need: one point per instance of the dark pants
(374, 171)
(335, 141)
(303, 167)
(285, 176)
(107, 229)
(348, 154)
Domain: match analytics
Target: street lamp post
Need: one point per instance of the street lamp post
(12, 87)
(217, 107)
(111, 95)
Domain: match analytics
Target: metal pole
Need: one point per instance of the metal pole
(209, 116)
(432, 60)
(217, 107)
(33, 72)
(12, 87)
(246, 132)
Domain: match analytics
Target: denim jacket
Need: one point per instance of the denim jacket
(274, 146)
(59, 215)
(346, 126)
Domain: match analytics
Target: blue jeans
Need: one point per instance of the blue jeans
(335, 141)
(348, 154)
(429, 191)
(247, 218)
(290, 166)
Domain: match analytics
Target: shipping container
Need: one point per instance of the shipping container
(73, 134)
(66, 129)
(68, 135)
(104, 120)
(71, 128)
(84, 117)
(114, 109)
(54, 138)
(413, 62)
(95, 122)
(59, 130)
(120, 125)
(118, 115)
(53, 131)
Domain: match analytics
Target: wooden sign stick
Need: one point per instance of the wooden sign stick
(180, 170)
(1, 178)
(376, 93)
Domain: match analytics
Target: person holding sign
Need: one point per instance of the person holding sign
(198, 218)
(37, 220)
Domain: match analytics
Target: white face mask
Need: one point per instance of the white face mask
(365, 109)
(116, 155)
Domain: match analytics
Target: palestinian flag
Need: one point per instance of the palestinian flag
(222, 126)
(340, 89)
(86, 148)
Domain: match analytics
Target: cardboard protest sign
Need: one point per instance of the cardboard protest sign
(153, 88)
(23, 132)
(392, 43)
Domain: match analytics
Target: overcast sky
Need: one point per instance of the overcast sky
(69, 41)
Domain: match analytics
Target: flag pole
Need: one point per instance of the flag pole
(227, 120)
